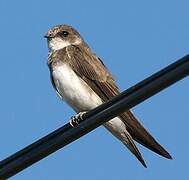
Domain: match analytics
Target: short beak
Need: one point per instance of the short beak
(45, 36)
(48, 36)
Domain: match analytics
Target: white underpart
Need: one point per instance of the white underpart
(57, 43)
(81, 97)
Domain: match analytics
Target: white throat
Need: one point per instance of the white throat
(58, 43)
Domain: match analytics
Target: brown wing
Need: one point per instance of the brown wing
(91, 69)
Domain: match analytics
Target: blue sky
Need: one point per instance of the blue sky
(135, 39)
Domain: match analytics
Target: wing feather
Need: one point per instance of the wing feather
(94, 72)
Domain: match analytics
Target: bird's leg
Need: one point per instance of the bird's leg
(75, 120)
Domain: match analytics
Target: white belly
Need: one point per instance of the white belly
(73, 89)
(81, 97)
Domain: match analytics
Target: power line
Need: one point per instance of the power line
(94, 118)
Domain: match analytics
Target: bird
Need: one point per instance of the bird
(83, 81)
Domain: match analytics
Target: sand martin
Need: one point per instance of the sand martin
(84, 82)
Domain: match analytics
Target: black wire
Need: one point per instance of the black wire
(94, 118)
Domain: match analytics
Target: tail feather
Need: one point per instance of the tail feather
(117, 127)
(132, 147)
(141, 135)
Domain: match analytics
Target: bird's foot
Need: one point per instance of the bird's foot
(75, 120)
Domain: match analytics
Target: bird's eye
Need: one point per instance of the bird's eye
(64, 33)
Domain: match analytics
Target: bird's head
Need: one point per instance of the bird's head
(62, 36)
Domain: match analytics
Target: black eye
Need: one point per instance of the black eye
(64, 33)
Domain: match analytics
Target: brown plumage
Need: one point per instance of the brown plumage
(91, 69)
